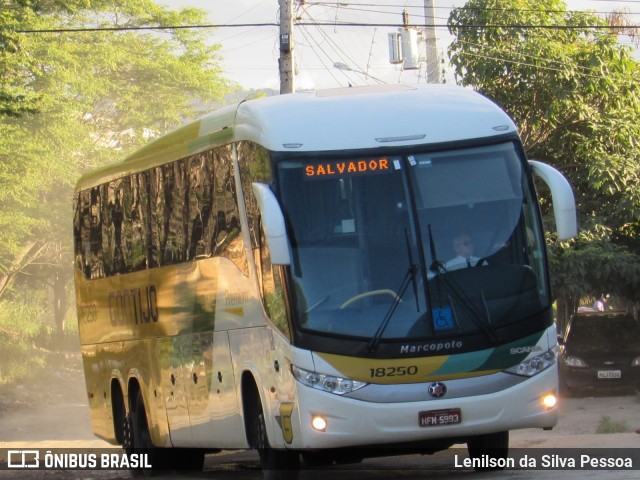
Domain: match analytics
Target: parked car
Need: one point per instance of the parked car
(600, 350)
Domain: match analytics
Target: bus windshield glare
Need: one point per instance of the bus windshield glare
(424, 245)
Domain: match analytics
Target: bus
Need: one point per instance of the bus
(278, 276)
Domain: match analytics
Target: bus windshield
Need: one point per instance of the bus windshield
(424, 245)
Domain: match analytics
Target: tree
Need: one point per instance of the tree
(15, 96)
(100, 95)
(573, 90)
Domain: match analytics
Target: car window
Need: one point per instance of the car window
(597, 329)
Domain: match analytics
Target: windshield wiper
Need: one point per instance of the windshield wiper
(413, 269)
(409, 276)
(476, 315)
(436, 266)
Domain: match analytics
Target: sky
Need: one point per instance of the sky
(250, 54)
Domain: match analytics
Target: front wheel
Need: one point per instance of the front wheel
(276, 464)
(489, 452)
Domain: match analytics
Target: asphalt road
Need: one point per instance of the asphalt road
(56, 417)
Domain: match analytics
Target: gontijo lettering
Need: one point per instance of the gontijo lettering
(133, 306)
(328, 169)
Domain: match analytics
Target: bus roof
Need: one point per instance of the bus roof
(355, 118)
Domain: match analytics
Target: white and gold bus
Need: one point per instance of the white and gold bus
(278, 275)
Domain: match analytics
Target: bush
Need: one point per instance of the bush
(607, 425)
(27, 342)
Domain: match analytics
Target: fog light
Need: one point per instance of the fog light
(549, 401)
(319, 424)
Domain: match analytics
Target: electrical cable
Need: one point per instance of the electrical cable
(329, 24)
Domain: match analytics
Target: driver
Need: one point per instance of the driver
(463, 246)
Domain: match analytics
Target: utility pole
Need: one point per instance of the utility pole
(286, 47)
(433, 63)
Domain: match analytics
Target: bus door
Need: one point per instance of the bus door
(172, 358)
(197, 381)
(211, 393)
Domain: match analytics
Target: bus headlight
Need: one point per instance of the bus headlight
(326, 383)
(534, 365)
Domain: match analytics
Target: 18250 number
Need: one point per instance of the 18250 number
(393, 371)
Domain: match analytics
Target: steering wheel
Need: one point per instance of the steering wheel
(370, 293)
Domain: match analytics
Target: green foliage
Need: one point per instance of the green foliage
(16, 98)
(99, 96)
(25, 341)
(574, 92)
(28, 345)
(589, 265)
(607, 425)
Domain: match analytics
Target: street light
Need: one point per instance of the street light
(347, 68)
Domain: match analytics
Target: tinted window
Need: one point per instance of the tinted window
(165, 215)
(620, 331)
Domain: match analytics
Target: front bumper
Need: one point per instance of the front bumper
(357, 423)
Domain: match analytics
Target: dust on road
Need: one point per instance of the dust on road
(51, 412)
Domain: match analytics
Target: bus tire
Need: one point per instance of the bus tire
(276, 464)
(140, 440)
(492, 448)
(127, 434)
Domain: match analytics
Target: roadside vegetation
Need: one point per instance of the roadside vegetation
(608, 425)
(71, 102)
(28, 344)
(570, 81)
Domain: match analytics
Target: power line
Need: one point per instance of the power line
(525, 64)
(310, 39)
(354, 6)
(552, 64)
(514, 26)
(148, 27)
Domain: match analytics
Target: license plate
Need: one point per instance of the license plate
(609, 374)
(435, 418)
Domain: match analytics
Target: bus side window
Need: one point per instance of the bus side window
(271, 287)
(82, 232)
(254, 166)
(95, 234)
(227, 239)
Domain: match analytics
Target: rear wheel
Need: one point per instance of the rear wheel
(137, 439)
(489, 451)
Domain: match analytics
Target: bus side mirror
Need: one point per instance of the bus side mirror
(564, 205)
(273, 224)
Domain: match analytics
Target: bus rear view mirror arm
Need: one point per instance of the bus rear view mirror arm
(564, 205)
(273, 224)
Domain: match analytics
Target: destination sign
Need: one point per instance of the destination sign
(347, 168)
